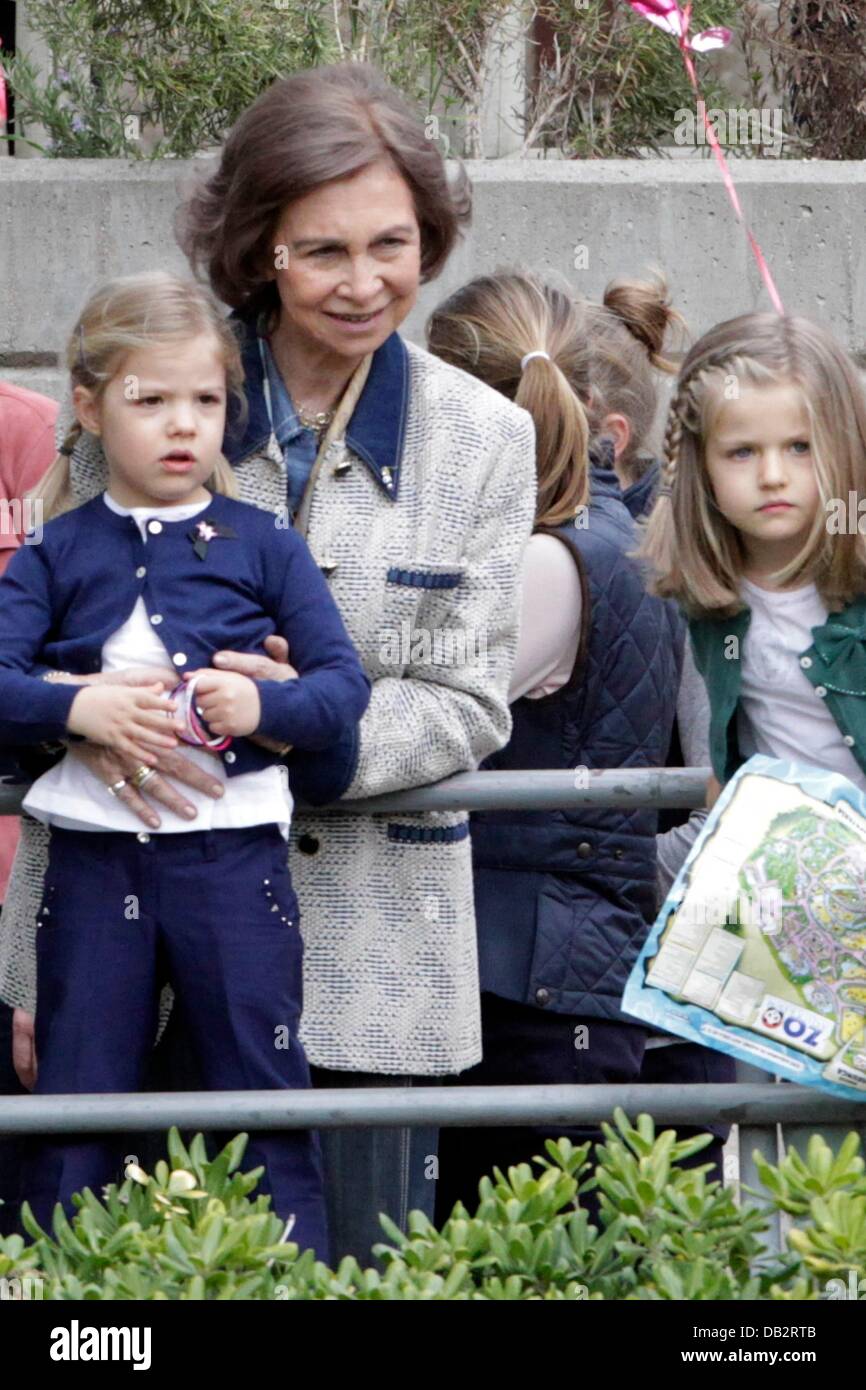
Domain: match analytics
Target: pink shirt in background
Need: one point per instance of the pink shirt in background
(27, 450)
(549, 620)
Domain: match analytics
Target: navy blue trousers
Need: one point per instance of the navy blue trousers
(527, 1046)
(214, 914)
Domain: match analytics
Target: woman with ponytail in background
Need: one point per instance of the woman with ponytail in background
(563, 898)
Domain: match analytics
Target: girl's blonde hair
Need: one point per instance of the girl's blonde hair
(695, 553)
(125, 315)
(627, 335)
(486, 328)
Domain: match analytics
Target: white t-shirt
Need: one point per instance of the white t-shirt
(70, 796)
(779, 713)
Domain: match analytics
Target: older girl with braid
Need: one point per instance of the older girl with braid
(765, 446)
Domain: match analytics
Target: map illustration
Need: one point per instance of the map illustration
(769, 932)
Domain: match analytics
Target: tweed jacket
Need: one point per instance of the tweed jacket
(418, 518)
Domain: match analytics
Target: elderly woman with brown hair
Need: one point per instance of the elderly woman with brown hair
(413, 484)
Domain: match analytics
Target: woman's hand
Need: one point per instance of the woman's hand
(273, 667)
(112, 768)
(24, 1047)
(124, 718)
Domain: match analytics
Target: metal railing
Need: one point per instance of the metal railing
(758, 1106)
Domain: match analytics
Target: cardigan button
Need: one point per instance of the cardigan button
(156, 619)
(141, 572)
(308, 844)
(542, 997)
(584, 850)
(805, 662)
(848, 740)
(179, 658)
(154, 527)
(143, 837)
(231, 757)
(821, 691)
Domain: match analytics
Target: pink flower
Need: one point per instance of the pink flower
(667, 15)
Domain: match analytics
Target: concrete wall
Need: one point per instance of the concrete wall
(66, 224)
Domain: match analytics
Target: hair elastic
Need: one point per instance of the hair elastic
(197, 731)
(539, 352)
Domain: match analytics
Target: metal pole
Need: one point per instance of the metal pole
(665, 788)
(555, 1106)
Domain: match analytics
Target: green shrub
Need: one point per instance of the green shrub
(193, 1231)
(162, 77)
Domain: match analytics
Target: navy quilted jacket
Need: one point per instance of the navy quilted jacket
(563, 898)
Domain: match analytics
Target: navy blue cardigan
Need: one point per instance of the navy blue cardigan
(61, 599)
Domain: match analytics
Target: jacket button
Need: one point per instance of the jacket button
(848, 740)
(821, 691)
(542, 996)
(308, 844)
(231, 757)
(805, 662)
(584, 850)
(141, 572)
(154, 527)
(156, 619)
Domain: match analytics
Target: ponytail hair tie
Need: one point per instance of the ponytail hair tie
(539, 352)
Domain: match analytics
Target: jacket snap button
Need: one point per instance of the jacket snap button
(584, 850)
(805, 662)
(542, 996)
(308, 844)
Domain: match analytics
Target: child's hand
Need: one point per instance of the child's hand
(227, 701)
(125, 718)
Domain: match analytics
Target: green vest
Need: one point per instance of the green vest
(835, 664)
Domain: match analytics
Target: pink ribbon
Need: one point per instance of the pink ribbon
(4, 109)
(667, 15)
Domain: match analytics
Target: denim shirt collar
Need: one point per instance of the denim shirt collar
(376, 432)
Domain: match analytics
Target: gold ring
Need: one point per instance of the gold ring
(141, 776)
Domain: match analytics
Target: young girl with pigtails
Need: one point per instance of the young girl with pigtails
(765, 444)
(147, 581)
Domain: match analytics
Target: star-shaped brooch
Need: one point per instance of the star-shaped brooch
(206, 531)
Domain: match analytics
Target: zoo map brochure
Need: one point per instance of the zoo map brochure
(759, 949)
